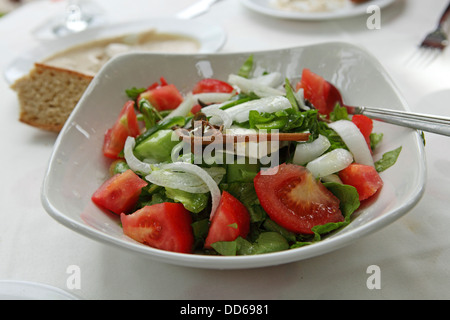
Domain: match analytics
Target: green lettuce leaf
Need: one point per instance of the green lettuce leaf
(266, 242)
(388, 160)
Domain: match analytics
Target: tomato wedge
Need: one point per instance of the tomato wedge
(125, 125)
(120, 192)
(162, 96)
(163, 82)
(196, 108)
(165, 226)
(364, 178)
(230, 221)
(212, 85)
(295, 200)
(316, 90)
(365, 125)
(209, 85)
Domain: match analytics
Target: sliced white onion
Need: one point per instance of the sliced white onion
(270, 104)
(272, 79)
(191, 178)
(220, 115)
(213, 97)
(175, 154)
(308, 151)
(300, 97)
(332, 178)
(253, 85)
(354, 140)
(213, 106)
(134, 163)
(184, 108)
(177, 180)
(329, 163)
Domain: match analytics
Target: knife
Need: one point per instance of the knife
(196, 9)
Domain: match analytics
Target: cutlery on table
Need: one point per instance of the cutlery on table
(419, 121)
(433, 43)
(196, 9)
(438, 38)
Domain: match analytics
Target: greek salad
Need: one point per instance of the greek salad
(247, 165)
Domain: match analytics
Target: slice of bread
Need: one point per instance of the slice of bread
(47, 95)
(51, 90)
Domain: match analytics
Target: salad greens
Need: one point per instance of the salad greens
(156, 147)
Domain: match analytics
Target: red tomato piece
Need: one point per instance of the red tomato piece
(212, 85)
(294, 199)
(364, 178)
(230, 221)
(164, 97)
(125, 125)
(165, 226)
(316, 90)
(196, 108)
(156, 84)
(365, 125)
(120, 192)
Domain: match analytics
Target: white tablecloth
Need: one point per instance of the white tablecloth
(413, 253)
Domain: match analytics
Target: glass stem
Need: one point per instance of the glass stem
(75, 18)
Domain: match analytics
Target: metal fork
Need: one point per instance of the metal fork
(433, 44)
(438, 39)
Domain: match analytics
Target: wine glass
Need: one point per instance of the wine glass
(76, 19)
(78, 16)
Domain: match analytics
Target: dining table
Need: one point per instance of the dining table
(411, 255)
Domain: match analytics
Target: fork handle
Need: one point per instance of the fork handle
(445, 15)
(419, 121)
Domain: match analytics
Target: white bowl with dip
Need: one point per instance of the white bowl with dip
(171, 35)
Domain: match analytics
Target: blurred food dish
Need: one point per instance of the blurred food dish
(50, 80)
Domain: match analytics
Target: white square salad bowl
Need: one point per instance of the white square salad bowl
(77, 166)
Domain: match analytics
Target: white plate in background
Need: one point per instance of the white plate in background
(25, 290)
(267, 7)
